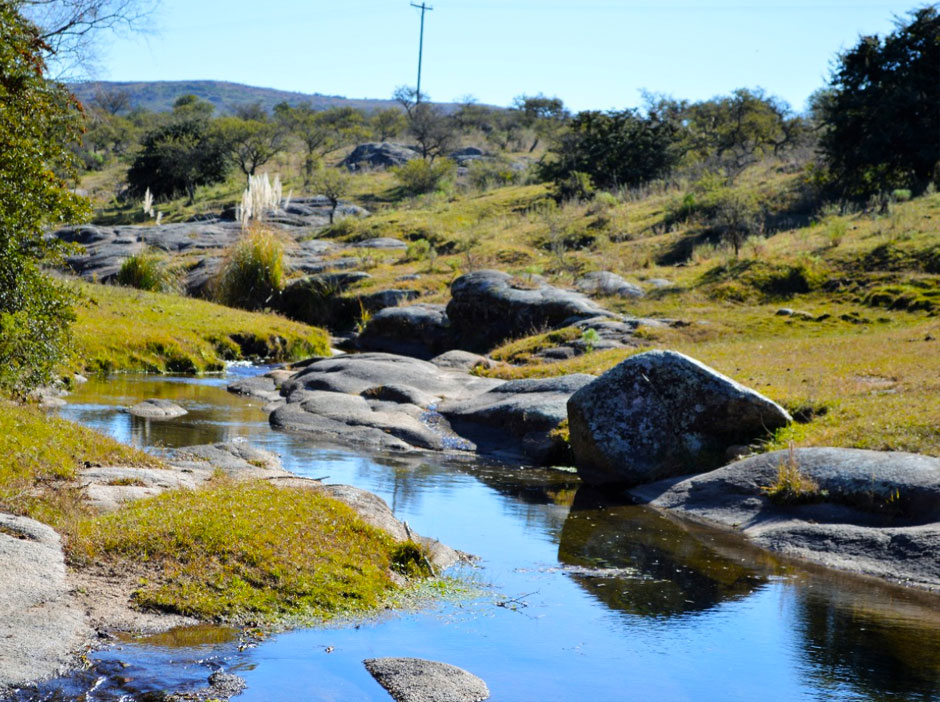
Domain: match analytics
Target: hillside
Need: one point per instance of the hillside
(158, 96)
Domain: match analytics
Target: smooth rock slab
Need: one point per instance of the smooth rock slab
(156, 409)
(878, 512)
(419, 680)
(661, 414)
(607, 283)
(40, 626)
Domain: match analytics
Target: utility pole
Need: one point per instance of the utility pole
(423, 7)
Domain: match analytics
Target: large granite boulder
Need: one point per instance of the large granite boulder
(517, 417)
(156, 409)
(488, 307)
(871, 512)
(315, 299)
(419, 330)
(379, 155)
(661, 414)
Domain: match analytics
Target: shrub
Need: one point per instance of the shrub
(252, 273)
(148, 270)
(791, 485)
(419, 176)
(494, 173)
(574, 186)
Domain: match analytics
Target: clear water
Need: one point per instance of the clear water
(578, 599)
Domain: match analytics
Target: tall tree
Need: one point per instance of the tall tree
(881, 113)
(249, 143)
(38, 118)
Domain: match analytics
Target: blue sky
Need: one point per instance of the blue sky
(594, 54)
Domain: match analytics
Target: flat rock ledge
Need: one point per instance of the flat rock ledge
(419, 680)
(874, 513)
(386, 402)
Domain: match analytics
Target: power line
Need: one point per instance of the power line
(423, 7)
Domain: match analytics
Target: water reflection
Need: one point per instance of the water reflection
(645, 562)
(851, 636)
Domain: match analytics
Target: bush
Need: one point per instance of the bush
(419, 176)
(494, 173)
(574, 186)
(252, 273)
(148, 270)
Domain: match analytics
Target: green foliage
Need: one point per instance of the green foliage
(148, 270)
(37, 119)
(574, 186)
(494, 173)
(615, 149)
(410, 560)
(253, 272)
(333, 184)
(177, 158)
(419, 176)
(417, 250)
(880, 111)
(387, 123)
(249, 143)
(244, 552)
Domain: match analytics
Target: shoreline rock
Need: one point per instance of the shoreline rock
(420, 680)
(873, 513)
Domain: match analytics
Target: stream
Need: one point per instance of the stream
(572, 598)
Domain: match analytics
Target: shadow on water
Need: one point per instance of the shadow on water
(638, 561)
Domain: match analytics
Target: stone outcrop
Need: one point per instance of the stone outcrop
(379, 155)
(661, 414)
(871, 512)
(419, 680)
(419, 330)
(487, 307)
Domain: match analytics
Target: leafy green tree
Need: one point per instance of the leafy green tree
(320, 132)
(177, 158)
(387, 123)
(881, 112)
(37, 119)
(248, 143)
(614, 149)
(544, 115)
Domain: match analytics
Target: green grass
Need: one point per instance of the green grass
(244, 552)
(40, 454)
(132, 330)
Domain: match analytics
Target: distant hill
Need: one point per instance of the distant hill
(159, 96)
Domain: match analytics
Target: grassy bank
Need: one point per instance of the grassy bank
(131, 330)
(241, 552)
(244, 552)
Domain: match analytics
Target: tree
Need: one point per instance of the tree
(434, 131)
(732, 132)
(38, 118)
(544, 115)
(387, 123)
(881, 112)
(614, 148)
(320, 132)
(249, 143)
(68, 28)
(177, 158)
(332, 183)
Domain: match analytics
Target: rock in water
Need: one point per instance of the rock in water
(418, 680)
(157, 409)
(660, 414)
